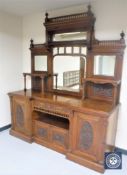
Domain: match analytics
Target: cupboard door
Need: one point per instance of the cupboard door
(41, 131)
(89, 135)
(21, 115)
(59, 138)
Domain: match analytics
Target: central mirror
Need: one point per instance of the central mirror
(68, 72)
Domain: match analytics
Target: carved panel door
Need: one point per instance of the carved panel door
(21, 115)
(89, 136)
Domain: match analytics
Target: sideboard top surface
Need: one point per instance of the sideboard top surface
(68, 101)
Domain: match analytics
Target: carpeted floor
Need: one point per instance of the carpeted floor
(21, 158)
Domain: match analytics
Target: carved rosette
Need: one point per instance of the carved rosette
(19, 116)
(86, 136)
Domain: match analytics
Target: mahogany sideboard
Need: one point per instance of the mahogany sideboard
(72, 110)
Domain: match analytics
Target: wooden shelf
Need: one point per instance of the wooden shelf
(41, 75)
(53, 120)
(102, 81)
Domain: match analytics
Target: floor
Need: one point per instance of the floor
(21, 158)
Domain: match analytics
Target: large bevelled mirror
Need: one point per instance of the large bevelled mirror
(68, 72)
(69, 67)
(104, 65)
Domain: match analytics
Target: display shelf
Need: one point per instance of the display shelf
(52, 120)
(102, 89)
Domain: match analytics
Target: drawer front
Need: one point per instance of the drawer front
(51, 108)
(41, 131)
(59, 138)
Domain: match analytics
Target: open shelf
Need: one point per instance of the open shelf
(102, 89)
(52, 120)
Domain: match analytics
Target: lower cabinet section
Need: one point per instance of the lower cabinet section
(51, 131)
(80, 136)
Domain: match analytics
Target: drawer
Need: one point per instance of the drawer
(41, 130)
(59, 138)
(51, 108)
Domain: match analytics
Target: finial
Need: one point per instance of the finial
(89, 9)
(31, 43)
(46, 17)
(122, 34)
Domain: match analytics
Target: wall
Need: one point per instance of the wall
(110, 21)
(10, 62)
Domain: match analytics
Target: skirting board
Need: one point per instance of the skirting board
(5, 127)
(123, 151)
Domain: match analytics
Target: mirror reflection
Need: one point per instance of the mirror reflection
(70, 36)
(40, 63)
(104, 65)
(68, 71)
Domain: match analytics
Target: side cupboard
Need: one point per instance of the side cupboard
(72, 106)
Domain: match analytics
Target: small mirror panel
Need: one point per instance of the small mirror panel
(104, 65)
(70, 36)
(40, 63)
(69, 50)
(76, 50)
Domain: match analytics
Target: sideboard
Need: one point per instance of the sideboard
(72, 106)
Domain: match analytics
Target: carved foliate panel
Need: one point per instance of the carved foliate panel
(42, 132)
(19, 116)
(59, 138)
(103, 90)
(86, 136)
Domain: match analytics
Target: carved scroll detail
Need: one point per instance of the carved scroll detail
(19, 116)
(86, 136)
(102, 90)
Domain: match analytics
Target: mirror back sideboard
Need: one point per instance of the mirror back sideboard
(53, 112)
